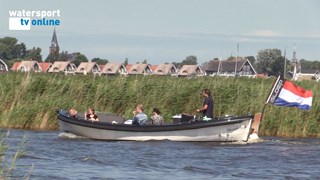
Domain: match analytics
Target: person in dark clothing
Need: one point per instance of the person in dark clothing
(91, 115)
(207, 108)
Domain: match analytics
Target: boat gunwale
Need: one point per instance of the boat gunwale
(62, 116)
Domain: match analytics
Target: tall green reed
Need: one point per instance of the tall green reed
(31, 100)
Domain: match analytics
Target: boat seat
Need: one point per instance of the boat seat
(109, 117)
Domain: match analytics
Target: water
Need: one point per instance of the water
(56, 155)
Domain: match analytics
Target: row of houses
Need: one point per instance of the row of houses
(241, 67)
(227, 68)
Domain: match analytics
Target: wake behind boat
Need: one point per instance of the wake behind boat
(224, 129)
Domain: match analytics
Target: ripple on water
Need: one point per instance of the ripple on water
(58, 155)
(70, 136)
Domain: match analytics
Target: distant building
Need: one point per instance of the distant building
(153, 67)
(3, 66)
(15, 66)
(128, 67)
(45, 66)
(54, 47)
(304, 73)
(88, 67)
(190, 71)
(26, 66)
(317, 75)
(114, 69)
(63, 66)
(301, 73)
(135, 69)
(241, 67)
(165, 69)
(295, 64)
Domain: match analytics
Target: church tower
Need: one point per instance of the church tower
(295, 64)
(54, 48)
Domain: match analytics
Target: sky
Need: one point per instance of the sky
(170, 30)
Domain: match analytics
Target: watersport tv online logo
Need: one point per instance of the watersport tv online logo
(23, 20)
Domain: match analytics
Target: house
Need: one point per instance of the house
(114, 69)
(302, 73)
(317, 76)
(128, 67)
(45, 66)
(240, 67)
(190, 70)
(63, 66)
(154, 67)
(166, 69)
(3, 66)
(15, 66)
(136, 69)
(88, 67)
(306, 74)
(26, 66)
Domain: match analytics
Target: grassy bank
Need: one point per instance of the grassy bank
(31, 100)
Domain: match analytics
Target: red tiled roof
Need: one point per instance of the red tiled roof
(44, 66)
(15, 66)
(128, 67)
(154, 67)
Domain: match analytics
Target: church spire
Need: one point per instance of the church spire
(54, 43)
(295, 63)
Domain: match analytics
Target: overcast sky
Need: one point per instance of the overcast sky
(170, 30)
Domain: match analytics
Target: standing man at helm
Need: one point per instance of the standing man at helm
(207, 108)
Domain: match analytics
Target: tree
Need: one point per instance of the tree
(126, 61)
(267, 61)
(277, 66)
(52, 57)
(190, 60)
(145, 61)
(19, 51)
(177, 65)
(9, 49)
(309, 64)
(100, 61)
(252, 59)
(231, 58)
(63, 56)
(79, 58)
(34, 54)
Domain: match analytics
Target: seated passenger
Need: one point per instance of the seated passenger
(73, 113)
(139, 118)
(156, 118)
(91, 116)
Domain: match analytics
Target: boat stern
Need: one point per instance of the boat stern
(254, 128)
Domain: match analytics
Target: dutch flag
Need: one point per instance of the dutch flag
(286, 93)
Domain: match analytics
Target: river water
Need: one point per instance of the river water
(56, 155)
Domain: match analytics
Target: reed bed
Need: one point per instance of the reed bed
(30, 100)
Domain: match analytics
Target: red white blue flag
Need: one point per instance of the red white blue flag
(285, 93)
